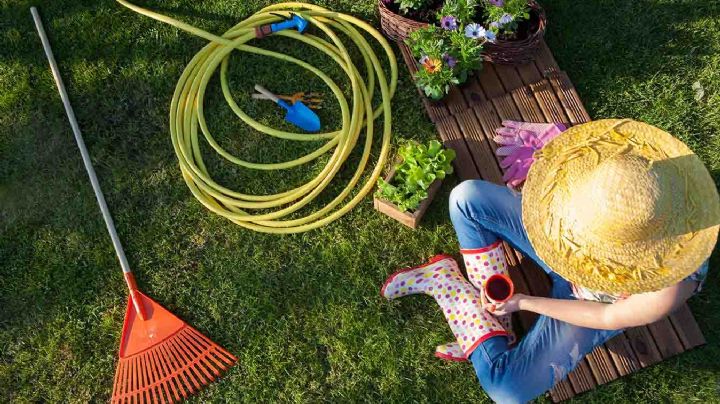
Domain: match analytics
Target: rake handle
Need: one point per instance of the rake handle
(129, 278)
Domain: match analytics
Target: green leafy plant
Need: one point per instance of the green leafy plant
(408, 5)
(448, 53)
(504, 16)
(420, 166)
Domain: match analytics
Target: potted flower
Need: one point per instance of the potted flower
(406, 192)
(519, 26)
(398, 18)
(449, 53)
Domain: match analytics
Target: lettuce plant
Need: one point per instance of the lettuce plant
(420, 166)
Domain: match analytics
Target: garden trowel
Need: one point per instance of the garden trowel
(297, 114)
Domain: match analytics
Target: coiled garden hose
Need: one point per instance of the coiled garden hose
(358, 115)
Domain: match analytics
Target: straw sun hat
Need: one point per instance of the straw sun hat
(620, 206)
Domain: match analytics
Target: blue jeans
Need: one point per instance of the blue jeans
(482, 212)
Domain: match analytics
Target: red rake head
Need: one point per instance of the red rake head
(162, 358)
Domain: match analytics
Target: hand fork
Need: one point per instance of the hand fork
(311, 99)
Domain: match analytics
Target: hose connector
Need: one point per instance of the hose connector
(296, 22)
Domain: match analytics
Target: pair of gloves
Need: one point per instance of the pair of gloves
(518, 142)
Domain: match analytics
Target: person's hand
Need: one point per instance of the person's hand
(510, 306)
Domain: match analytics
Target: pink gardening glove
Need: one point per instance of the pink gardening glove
(518, 142)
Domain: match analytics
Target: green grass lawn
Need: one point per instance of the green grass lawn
(301, 312)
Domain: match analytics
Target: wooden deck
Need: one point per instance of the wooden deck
(541, 92)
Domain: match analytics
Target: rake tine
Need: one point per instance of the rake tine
(134, 384)
(188, 361)
(162, 387)
(140, 391)
(196, 337)
(152, 377)
(167, 375)
(182, 369)
(201, 363)
(174, 370)
(118, 379)
(194, 365)
(228, 359)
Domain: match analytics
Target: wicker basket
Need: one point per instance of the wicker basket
(395, 26)
(521, 51)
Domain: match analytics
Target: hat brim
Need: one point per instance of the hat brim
(612, 266)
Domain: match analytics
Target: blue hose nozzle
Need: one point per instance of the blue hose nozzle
(296, 22)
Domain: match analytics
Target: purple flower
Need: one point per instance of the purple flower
(494, 25)
(490, 36)
(449, 60)
(497, 3)
(475, 31)
(449, 23)
(506, 19)
(424, 59)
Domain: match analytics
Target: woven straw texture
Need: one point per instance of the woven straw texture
(394, 26)
(520, 51)
(621, 207)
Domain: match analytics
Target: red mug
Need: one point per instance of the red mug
(499, 288)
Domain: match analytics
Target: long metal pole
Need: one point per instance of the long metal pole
(88, 164)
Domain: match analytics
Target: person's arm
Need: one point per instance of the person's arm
(636, 310)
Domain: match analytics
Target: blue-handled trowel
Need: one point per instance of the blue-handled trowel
(297, 113)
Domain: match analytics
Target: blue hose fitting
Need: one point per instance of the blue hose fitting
(297, 22)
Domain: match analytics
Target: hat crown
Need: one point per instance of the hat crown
(625, 198)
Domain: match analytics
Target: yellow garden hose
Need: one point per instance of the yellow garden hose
(358, 115)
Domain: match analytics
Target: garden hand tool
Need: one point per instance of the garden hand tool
(311, 99)
(343, 36)
(518, 142)
(297, 113)
(459, 300)
(483, 265)
(161, 356)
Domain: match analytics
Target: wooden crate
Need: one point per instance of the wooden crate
(540, 92)
(409, 219)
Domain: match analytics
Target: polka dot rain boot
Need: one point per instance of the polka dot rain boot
(480, 264)
(458, 299)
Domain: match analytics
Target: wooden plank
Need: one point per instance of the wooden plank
(477, 109)
(548, 102)
(482, 153)
(506, 109)
(601, 365)
(527, 318)
(529, 73)
(455, 101)
(667, 340)
(453, 138)
(545, 61)
(569, 98)
(622, 355)
(490, 82)
(472, 91)
(526, 104)
(561, 391)
(489, 121)
(643, 345)
(687, 328)
(581, 378)
(509, 77)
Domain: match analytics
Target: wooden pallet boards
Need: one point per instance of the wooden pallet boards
(540, 92)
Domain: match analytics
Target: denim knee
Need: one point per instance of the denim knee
(467, 192)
